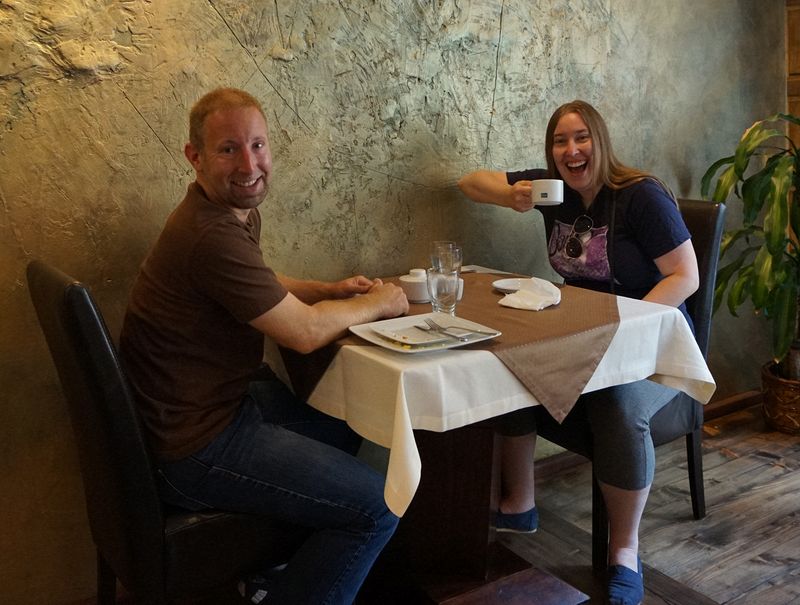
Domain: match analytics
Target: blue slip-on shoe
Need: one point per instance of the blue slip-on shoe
(519, 523)
(256, 587)
(625, 586)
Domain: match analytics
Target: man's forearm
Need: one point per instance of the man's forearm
(308, 291)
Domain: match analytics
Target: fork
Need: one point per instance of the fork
(445, 330)
(432, 325)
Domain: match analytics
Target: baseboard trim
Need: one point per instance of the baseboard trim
(551, 466)
(729, 405)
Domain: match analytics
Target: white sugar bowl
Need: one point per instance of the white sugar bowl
(415, 285)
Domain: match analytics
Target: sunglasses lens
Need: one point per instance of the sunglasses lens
(573, 248)
(582, 224)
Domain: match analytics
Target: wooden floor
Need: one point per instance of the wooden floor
(746, 551)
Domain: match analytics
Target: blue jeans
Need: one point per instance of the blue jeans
(280, 457)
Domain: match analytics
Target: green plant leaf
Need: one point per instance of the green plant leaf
(719, 295)
(755, 190)
(751, 140)
(783, 176)
(705, 182)
(725, 183)
(784, 319)
(789, 118)
(740, 289)
(794, 207)
(726, 273)
(763, 281)
(776, 220)
(731, 237)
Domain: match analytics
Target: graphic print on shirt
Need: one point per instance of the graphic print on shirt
(579, 253)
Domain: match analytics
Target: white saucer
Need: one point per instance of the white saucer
(512, 284)
(507, 286)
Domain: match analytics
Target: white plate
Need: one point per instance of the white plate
(399, 334)
(508, 286)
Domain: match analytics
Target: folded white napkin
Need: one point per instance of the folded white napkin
(534, 294)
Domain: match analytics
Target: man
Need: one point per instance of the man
(192, 342)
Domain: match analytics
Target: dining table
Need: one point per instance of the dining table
(435, 411)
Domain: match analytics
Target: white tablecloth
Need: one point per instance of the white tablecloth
(384, 395)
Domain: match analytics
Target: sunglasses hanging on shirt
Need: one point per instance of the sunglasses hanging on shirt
(574, 246)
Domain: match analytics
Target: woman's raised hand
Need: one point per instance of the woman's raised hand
(520, 196)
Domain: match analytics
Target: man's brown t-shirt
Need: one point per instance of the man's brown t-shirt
(186, 344)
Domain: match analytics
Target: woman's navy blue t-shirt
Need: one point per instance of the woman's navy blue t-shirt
(629, 229)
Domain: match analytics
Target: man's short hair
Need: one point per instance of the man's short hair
(217, 99)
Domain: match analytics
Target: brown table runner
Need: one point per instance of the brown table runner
(533, 344)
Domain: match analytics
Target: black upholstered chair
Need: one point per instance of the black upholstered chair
(157, 553)
(683, 416)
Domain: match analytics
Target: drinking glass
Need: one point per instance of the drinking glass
(446, 256)
(443, 290)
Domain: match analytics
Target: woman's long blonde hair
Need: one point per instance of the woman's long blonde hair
(608, 170)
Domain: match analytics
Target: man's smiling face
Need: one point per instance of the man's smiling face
(234, 166)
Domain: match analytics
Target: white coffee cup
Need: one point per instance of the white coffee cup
(547, 192)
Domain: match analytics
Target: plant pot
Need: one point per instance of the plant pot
(781, 400)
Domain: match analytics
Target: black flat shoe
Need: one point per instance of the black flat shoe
(518, 523)
(625, 586)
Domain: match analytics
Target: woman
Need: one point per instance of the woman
(618, 230)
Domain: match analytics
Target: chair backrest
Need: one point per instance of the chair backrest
(124, 511)
(705, 221)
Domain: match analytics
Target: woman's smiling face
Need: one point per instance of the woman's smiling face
(572, 153)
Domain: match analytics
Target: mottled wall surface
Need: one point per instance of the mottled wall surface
(376, 107)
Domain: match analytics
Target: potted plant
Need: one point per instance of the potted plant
(763, 255)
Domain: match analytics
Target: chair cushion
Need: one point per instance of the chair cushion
(679, 417)
(205, 549)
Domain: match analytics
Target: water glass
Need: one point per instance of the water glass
(446, 256)
(443, 290)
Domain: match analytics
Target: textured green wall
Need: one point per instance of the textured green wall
(376, 107)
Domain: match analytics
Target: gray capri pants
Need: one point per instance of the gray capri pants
(615, 419)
